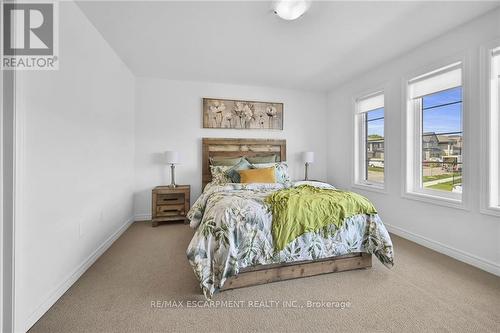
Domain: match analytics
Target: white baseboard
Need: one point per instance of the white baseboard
(75, 275)
(460, 255)
(142, 217)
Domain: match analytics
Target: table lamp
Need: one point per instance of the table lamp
(307, 157)
(172, 158)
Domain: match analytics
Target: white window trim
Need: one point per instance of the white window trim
(486, 108)
(356, 182)
(408, 151)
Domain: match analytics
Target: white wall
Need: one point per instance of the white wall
(7, 194)
(169, 117)
(76, 151)
(467, 235)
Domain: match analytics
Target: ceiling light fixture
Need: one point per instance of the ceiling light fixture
(290, 9)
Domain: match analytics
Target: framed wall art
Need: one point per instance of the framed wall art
(239, 114)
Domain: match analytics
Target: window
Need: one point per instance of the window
(369, 157)
(435, 135)
(493, 131)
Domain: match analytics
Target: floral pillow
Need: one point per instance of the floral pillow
(223, 174)
(281, 169)
(219, 174)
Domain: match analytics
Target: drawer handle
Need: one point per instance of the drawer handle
(165, 210)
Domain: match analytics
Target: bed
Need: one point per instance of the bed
(233, 247)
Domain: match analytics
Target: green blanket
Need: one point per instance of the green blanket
(306, 208)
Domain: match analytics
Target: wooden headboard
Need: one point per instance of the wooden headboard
(238, 148)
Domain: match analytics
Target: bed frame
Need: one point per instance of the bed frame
(261, 274)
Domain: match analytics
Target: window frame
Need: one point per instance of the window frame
(360, 138)
(489, 204)
(411, 149)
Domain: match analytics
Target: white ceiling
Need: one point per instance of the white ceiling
(244, 43)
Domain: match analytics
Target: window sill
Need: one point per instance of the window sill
(492, 211)
(379, 188)
(436, 200)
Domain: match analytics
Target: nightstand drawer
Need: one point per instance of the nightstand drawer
(170, 210)
(169, 204)
(170, 199)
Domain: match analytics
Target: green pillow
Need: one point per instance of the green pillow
(263, 159)
(218, 160)
(233, 173)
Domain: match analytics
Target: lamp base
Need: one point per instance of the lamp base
(172, 176)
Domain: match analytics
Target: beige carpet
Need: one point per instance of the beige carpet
(425, 291)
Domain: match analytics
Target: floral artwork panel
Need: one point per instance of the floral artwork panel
(237, 114)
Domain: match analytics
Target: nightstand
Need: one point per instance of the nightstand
(170, 203)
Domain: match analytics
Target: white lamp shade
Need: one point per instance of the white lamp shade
(308, 157)
(171, 157)
(290, 9)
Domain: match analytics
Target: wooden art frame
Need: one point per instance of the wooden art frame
(242, 114)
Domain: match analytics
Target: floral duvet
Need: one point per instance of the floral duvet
(233, 231)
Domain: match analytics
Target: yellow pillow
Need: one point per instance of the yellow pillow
(264, 175)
